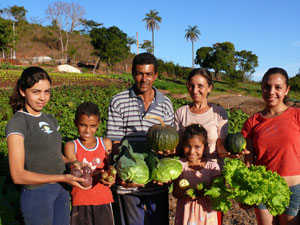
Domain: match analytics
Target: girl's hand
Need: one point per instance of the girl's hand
(190, 198)
(76, 181)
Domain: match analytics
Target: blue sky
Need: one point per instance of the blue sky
(268, 28)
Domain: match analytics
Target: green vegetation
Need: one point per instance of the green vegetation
(224, 57)
(110, 44)
(252, 185)
(65, 99)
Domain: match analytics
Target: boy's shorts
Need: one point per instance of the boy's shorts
(92, 214)
(293, 209)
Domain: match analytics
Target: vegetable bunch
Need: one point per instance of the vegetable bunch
(250, 186)
(167, 169)
(131, 166)
(109, 175)
(196, 192)
(144, 166)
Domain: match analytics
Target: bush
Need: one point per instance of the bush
(295, 83)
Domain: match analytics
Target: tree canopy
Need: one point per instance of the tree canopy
(224, 57)
(6, 35)
(147, 46)
(110, 44)
(88, 25)
(17, 12)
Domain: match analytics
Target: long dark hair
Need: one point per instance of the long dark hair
(29, 77)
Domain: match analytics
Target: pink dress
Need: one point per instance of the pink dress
(197, 212)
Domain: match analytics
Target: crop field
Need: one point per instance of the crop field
(69, 90)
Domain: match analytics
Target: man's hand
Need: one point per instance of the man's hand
(129, 185)
(160, 183)
(165, 153)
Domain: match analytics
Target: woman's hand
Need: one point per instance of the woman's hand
(76, 181)
(223, 153)
(239, 155)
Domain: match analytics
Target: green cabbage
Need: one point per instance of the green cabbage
(167, 169)
(131, 166)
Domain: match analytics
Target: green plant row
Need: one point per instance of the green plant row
(63, 104)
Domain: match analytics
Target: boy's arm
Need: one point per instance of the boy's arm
(69, 151)
(70, 157)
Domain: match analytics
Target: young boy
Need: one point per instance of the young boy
(92, 206)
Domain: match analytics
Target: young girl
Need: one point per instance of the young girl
(34, 152)
(273, 141)
(196, 169)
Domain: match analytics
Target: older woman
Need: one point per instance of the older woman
(212, 117)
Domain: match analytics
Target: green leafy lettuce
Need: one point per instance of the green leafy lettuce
(250, 186)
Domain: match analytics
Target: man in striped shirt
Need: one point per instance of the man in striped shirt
(126, 121)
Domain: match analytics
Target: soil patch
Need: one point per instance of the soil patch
(247, 104)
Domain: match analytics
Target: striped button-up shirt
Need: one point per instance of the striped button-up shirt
(126, 115)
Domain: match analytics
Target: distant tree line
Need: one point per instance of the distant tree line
(112, 45)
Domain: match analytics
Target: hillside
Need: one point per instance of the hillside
(36, 40)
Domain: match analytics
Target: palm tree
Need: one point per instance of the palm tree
(131, 41)
(152, 19)
(192, 33)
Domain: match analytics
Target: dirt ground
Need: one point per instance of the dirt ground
(234, 216)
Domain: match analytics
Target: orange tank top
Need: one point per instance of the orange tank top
(99, 194)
